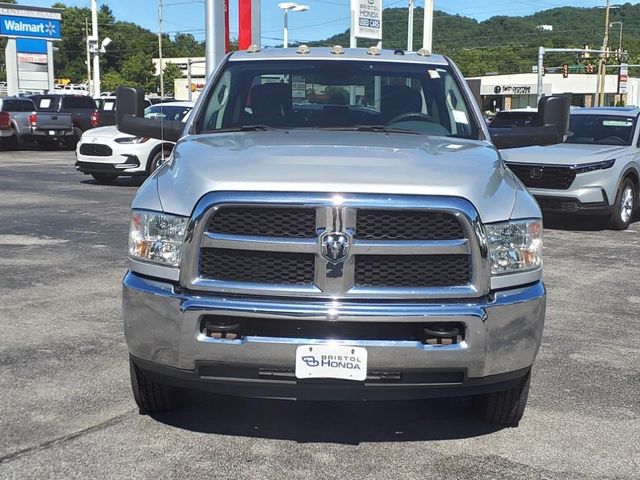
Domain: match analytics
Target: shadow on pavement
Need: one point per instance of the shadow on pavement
(328, 422)
(119, 182)
(579, 223)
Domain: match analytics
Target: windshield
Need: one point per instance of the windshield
(341, 94)
(601, 129)
(167, 112)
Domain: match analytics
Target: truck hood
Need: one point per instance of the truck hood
(564, 154)
(337, 162)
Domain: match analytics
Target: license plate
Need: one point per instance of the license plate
(331, 361)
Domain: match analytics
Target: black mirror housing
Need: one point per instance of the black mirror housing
(129, 101)
(130, 118)
(552, 126)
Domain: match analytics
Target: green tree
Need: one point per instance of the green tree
(138, 71)
(111, 80)
(170, 73)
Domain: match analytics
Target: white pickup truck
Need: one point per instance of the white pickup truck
(335, 224)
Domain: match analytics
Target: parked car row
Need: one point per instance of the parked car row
(48, 120)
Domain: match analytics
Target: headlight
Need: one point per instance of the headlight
(131, 140)
(156, 237)
(515, 246)
(590, 167)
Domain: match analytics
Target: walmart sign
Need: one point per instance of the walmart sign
(29, 27)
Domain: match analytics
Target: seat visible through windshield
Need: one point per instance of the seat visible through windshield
(338, 95)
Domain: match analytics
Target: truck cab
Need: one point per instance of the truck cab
(335, 224)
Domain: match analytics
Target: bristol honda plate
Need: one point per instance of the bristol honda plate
(331, 361)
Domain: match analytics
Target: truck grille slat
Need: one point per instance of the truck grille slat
(407, 225)
(411, 270)
(259, 267)
(264, 222)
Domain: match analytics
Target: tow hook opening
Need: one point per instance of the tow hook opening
(428, 333)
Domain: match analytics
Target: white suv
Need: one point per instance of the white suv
(105, 153)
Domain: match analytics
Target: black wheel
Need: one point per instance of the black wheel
(157, 159)
(151, 396)
(72, 141)
(507, 407)
(13, 142)
(624, 205)
(105, 178)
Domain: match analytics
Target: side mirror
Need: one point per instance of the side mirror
(552, 125)
(130, 118)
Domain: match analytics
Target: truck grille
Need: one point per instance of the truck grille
(262, 267)
(412, 270)
(407, 225)
(544, 176)
(95, 150)
(265, 222)
(347, 246)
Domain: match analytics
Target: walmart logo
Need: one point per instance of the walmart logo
(29, 27)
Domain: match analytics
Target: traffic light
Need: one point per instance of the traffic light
(565, 70)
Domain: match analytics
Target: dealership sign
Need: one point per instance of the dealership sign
(368, 18)
(623, 77)
(509, 89)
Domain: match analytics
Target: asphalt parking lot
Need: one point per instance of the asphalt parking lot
(66, 410)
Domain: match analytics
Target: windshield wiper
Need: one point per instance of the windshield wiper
(372, 128)
(241, 128)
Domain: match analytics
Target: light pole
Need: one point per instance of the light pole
(294, 7)
(620, 44)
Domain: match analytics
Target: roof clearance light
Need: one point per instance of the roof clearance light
(337, 50)
(423, 52)
(373, 51)
(303, 49)
(253, 49)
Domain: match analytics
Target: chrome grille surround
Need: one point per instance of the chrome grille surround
(336, 213)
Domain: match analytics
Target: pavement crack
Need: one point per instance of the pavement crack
(65, 438)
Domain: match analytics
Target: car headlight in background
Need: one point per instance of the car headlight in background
(157, 237)
(514, 246)
(131, 140)
(590, 167)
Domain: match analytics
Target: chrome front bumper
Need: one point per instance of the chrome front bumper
(162, 328)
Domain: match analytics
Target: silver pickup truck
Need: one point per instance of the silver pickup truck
(335, 224)
(28, 125)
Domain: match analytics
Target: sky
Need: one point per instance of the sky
(323, 19)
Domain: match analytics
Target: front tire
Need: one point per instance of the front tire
(624, 205)
(158, 159)
(505, 408)
(104, 178)
(151, 396)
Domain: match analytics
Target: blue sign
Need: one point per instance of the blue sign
(31, 45)
(29, 27)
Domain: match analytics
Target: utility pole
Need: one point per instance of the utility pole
(160, 49)
(96, 50)
(214, 34)
(427, 34)
(410, 27)
(602, 60)
(353, 41)
(86, 34)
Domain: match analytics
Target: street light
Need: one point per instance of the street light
(294, 7)
(620, 46)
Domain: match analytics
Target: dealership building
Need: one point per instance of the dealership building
(504, 92)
